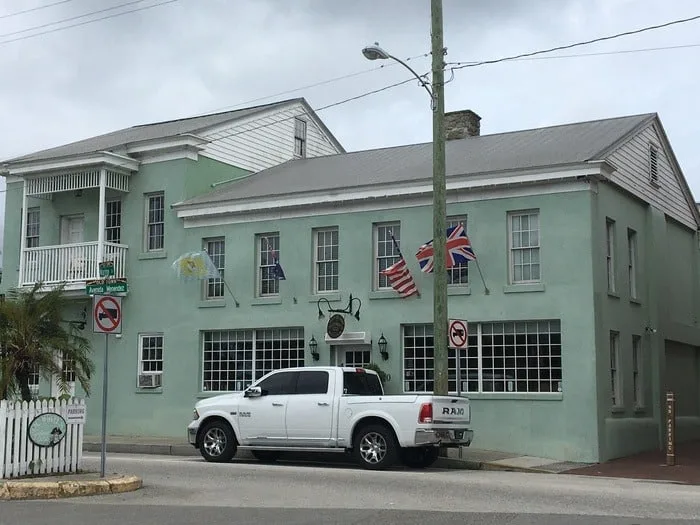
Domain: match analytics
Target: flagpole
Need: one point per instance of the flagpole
(396, 245)
(478, 267)
(229, 291)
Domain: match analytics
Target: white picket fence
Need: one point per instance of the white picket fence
(20, 457)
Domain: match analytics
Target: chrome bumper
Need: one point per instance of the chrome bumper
(461, 437)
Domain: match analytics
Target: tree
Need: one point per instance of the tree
(35, 336)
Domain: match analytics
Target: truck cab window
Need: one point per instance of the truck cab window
(360, 384)
(278, 384)
(312, 382)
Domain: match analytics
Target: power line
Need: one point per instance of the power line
(462, 65)
(17, 13)
(86, 22)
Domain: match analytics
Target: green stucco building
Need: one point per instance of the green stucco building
(586, 235)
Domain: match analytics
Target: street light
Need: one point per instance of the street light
(437, 98)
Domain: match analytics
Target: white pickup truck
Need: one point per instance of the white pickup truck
(329, 409)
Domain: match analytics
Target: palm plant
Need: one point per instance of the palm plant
(34, 336)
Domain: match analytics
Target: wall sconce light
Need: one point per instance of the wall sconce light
(313, 345)
(382, 347)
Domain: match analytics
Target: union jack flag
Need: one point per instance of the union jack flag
(458, 247)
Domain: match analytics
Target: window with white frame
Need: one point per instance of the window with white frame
(653, 163)
(458, 275)
(326, 265)
(233, 359)
(632, 262)
(357, 357)
(34, 380)
(522, 357)
(610, 253)
(386, 251)
(637, 385)
(216, 248)
(113, 221)
(67, 369)
(155, 221)
(299, 137)
(32, 234)
(616, 387)
(268, 256)
(524, 247)
(151, 353)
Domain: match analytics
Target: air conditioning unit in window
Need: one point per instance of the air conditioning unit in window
(150, 380)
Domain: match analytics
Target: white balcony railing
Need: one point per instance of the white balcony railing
(70, 263)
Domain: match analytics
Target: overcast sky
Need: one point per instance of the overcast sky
(195, 56)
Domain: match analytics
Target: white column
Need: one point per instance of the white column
(23, 238)
(101, 220)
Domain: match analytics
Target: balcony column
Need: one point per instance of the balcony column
(101, 219)
(23, 235)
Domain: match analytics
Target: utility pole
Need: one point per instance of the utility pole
(440, 386)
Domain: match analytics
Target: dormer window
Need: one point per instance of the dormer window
(653, 164)
(299, 137)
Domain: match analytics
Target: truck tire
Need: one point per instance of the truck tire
(267, 456)
(375, 447)
(218, 442)
(419, 457)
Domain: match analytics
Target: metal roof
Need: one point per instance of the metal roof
(158, 130)
(534, 148)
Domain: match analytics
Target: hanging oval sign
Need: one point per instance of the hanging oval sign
(336, 326)
(47, 430)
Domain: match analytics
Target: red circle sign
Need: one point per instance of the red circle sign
(107, 314)
(458, 334)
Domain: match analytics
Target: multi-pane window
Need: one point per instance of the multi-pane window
(615, 385)
(113, 221)
(459, 273)
(216, 248)
(34, 380)
(151, 353)
(500, 357)
(233, 359)
(155, 221)
(632, 261)
(653, 163)
(32, 234)
(326, 260)
(268, 256)
(357, 358)
(524, 247)
(637, 384)
(299, 137)
(67, 369)
(386, 251)
(610, 253)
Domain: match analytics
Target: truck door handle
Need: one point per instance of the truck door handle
(277, 404)
(322, 404)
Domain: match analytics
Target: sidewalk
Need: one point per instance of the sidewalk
(471, 458)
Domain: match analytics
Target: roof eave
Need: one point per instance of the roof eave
(105, 158)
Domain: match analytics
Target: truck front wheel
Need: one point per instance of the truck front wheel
(218, 443)
(375, 447)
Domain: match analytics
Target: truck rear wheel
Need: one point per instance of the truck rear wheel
(374, 447)
(419, 457)
(218, 442)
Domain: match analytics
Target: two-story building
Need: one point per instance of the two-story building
(585, 234)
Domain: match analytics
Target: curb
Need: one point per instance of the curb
(30, 489)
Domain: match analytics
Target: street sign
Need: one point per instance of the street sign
(457, 333)
(107, 269)
(106, 288)
(107, 315)
(76, 414)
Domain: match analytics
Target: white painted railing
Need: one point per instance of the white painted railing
(19, 456)
(70, 262)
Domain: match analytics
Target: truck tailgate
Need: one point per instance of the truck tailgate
(450, 410)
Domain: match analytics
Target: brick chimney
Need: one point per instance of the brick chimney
(462, 124)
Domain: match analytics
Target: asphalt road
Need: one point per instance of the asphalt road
(179, 491)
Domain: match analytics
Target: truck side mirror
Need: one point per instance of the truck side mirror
(253, 391)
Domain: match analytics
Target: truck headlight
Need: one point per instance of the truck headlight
(195, 414)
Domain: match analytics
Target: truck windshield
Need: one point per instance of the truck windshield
(361, 384)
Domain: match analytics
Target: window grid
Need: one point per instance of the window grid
(113, 221)
(653, 164)
(637, 371)
(233, 359)
(268, 247)
(300, 137)
(614, 369)
(214, 287)
(459, 273)
(34, 380)
(327, 243)
(610, 253)
(632, 261)
(32, 234)
(151, 353)
(525, 247)
(521, 357)
(155, 221)
(386, 252)
(357, 358)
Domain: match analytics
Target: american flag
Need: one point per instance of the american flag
(459, 250)
(400, 278)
